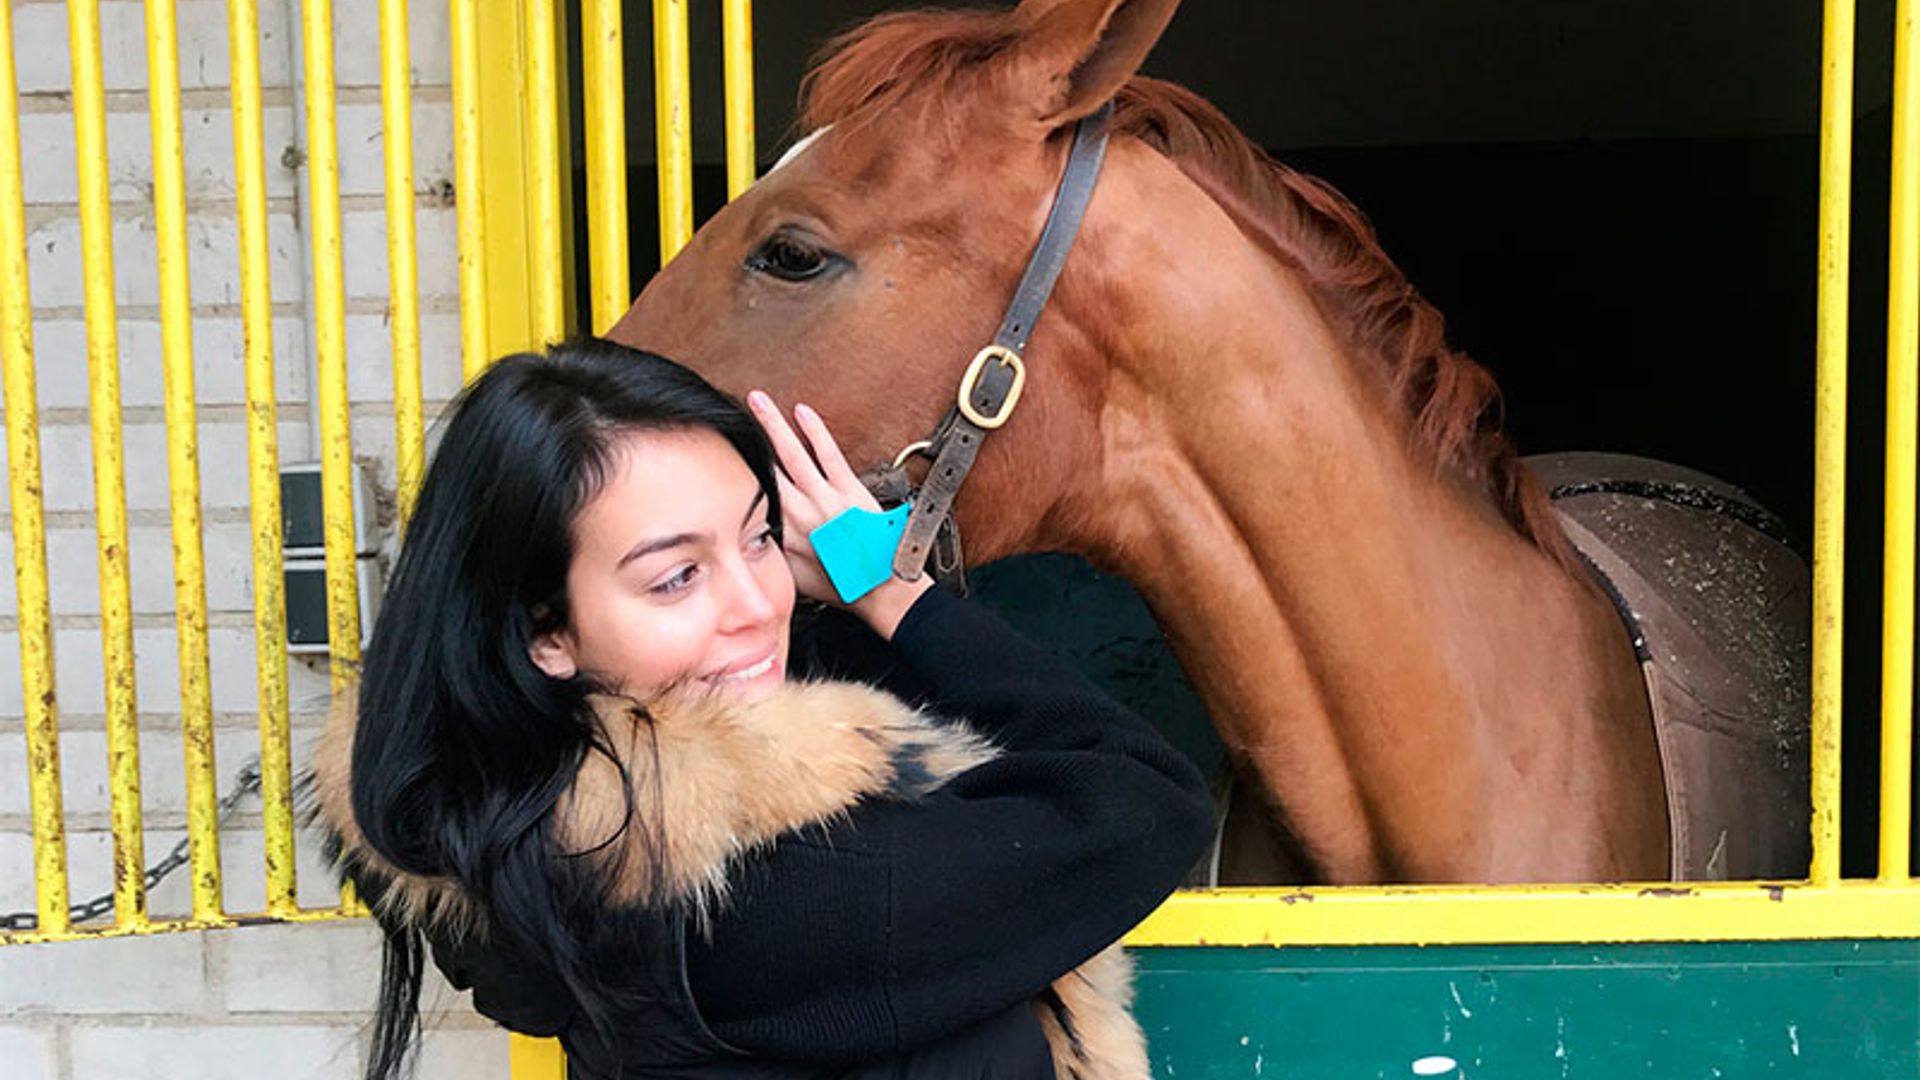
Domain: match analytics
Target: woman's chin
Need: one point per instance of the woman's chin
(747, 691)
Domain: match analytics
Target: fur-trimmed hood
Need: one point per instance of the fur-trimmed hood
(708, 780)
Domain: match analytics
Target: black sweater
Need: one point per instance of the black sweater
(906, 923)
(910, 921)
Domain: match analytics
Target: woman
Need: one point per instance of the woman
(584, 776)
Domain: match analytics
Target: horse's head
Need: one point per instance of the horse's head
(864, 273)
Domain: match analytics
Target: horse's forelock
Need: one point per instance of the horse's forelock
(930, 56)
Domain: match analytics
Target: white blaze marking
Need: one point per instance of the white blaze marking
(798, 148)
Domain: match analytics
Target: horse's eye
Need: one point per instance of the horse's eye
(789, 258)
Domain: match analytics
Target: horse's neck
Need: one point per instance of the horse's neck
(1424, 691)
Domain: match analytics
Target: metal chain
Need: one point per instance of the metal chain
(246, 782)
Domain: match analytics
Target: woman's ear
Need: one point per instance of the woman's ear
(552, 653)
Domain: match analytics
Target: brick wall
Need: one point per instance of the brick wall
(285, 1001)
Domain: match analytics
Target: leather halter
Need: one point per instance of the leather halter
(991, 387)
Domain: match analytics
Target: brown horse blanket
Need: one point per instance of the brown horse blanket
(1719, 606)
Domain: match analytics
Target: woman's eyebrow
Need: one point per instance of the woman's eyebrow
(648, 547)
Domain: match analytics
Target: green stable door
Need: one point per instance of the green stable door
(1831, 1010)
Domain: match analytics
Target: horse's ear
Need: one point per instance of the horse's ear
(1082, 51)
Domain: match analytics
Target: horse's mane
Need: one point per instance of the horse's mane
(1452, 405)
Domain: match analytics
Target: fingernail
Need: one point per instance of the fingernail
(757, 399)
(804, 409)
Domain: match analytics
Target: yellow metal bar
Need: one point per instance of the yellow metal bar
(109, 464)
(1830, 431)
(29, 521)
(603, 58)
(673, 125)
(535, 1059)
(1903, 360)
(548, 274)
(1429, 915)
(1539, 914)
(167, 926)
(468, 168)
(736, 35)
(263, 455)
(183, 454)
(403, 288)
(329, 329)
(506, 151)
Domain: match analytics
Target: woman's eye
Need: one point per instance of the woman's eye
(677, 582)
(789, 258)
(762, 540)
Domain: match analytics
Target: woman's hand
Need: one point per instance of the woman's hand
(815, 488)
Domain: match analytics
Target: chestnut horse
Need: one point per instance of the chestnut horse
(1237, 402)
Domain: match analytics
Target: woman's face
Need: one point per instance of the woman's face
(676, 575)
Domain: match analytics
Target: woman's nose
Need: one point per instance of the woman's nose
(748, 604)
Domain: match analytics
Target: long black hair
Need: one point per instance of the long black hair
(463, 747)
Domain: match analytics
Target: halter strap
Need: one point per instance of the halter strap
(992, 385)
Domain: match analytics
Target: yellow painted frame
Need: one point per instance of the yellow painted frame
(516, 278)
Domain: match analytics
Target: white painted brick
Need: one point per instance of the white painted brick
(73, 569)
(13, 775)
(66, 457)
(84, 781)
(463, 1055)
(224, 477)
(90, 861)
(243, 862)
(219, 362)
(213, 259)
(304, 1052)
(363, 148)
(29, 1052)
(235, 671)
(203, 45)
(40, 36)
(49, 164)
(327, 967)
(374, 438)
(356, 43)
(436, 238)
(16, 869)
(370, 357)
(78, 673)
(157, 974)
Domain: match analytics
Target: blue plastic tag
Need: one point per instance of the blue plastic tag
(856, 548)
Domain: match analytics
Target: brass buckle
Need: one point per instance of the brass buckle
(1002, 355)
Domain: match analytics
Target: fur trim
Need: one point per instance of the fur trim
(1088, 1019)
(327, 792)
(708, 780)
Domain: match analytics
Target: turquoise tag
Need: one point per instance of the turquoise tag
(856, 548)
